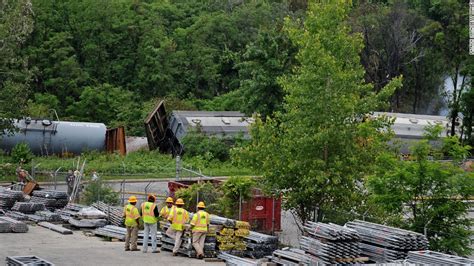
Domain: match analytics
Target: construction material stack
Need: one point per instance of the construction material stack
(70, 211)
(260, 245)
(114, 215)
(9, 197)
(294, 257)
(28, 207)
(27, 260)
(186, 247)
(88, 217)
(52, 199)
(384, 243)
(330, 243)
(112, 231)
(8, 224)
(231, 237)
(428, 257)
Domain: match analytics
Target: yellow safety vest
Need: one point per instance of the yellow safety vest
(200, 221)
(148, 213)
(165, 211)
(178, 217)
(131, 215)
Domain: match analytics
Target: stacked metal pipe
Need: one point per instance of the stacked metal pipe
(428, 257)
(293, 256)
(114, 214)
(232, 260)
(214, 219)
(385, 243)
(9, 197)
(17, 215)
(28, 207)
(330, 243)
(186, 248)
(50, 198)
(15, 225)
(113, 231)
(260, 245)
(49, 216)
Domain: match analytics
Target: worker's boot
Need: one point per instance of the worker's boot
(175, 254)
(155, 251)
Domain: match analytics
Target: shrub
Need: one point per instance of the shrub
(97, 191)
(21, 153)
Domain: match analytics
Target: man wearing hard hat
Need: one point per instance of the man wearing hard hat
(132, 216)
(166, 210)
(177, 217)
(150, 219)
(199, 225)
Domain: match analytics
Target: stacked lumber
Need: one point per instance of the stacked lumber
(28, 207)
(15, 225)
(114, 214)
(9, 197)
(428, 257)
(53, 199)
(384, 243)
(330, 243)
(260, 245)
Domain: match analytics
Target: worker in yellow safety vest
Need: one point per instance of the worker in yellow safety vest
(177, 217)
(199, 225)
(131, 214)
(150, 219)
(166, 210)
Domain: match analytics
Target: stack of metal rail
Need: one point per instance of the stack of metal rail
(49, 216)
(28, 207)
(186, 248)
(331, 243)
(384, 243)
(17, 215)
(428, 257)
(50, 198)
(15, 225)
(69, 211)
(114, 214)
(113, 231)
(27, 260)
(260, 245)
(294, 257)
(231, 260)
(214, 219)
(9, 197)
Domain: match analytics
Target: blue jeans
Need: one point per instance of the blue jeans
(149, 229)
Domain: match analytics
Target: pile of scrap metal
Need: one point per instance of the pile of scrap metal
(9, 225)
(384, 243)
(27, 260)
(330, 243)
(114, 214)
(112, 231)
(428, 257)
(186, 248)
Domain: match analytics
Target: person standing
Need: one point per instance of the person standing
(132, 216)
(177, 217)
(166, 210)
(70, 182)
(150, 218)
(199, 225)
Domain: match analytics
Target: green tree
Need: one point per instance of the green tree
(467, 108)
(16, 24)
(319, 149)
(428, 195)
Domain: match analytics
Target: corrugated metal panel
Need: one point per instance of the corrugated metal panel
(115, 140)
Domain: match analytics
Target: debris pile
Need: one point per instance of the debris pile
(27, 260)
(428, 257)
(384, 243)
(330, 243)
(9, 197)
(8, 224)
(52, 199)
(114, 215)
(117, 232)
(260, 245)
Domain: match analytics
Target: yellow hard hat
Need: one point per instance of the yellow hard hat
(201, 205)
(132, 199)
(169, 200)
(179, 202)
